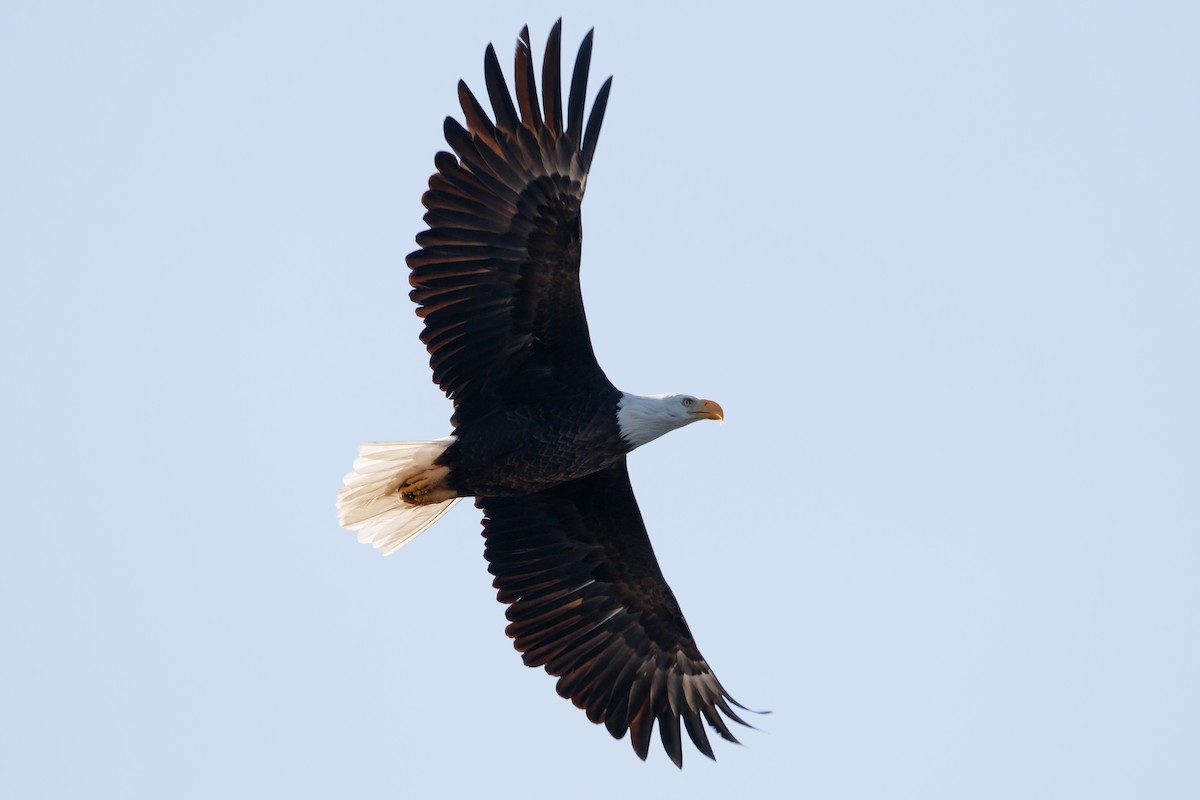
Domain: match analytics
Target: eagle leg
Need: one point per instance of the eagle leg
(426, 487)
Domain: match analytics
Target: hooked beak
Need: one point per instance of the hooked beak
(708, 410)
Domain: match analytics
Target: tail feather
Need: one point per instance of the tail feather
(369, 502)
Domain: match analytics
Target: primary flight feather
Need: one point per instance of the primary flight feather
(540, 434)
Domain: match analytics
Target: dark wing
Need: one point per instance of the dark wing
(497, 275)
(589, 603)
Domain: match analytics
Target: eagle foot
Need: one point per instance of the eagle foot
(426, 487)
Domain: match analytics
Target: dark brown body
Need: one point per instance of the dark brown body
(518, 450)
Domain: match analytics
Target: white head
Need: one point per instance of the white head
(643, 418)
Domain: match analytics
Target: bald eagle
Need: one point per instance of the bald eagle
(540, 434)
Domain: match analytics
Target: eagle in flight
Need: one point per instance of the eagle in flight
(540, 435)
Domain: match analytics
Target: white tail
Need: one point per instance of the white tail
(370, 504)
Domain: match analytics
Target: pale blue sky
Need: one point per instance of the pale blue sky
(941, 266)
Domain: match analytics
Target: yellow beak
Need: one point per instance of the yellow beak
(709, 409)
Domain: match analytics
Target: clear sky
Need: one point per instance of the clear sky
(940, 264)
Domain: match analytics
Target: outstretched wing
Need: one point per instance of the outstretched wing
(589, 603)
(497, 275)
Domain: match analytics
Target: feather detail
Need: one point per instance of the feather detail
(370, 503)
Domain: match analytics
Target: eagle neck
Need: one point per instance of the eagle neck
(642, 418)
